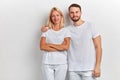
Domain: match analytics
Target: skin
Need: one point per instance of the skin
(75, 15)
(56, 18)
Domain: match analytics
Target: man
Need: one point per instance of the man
(85, 52)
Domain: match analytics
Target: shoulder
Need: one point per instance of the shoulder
(66, 29)
(69, 27)
(66, 32)
(47, 32)
(89, 24)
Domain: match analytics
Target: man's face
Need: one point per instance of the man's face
(75, 14)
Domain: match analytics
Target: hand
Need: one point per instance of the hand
(96, 72)
(44, 28)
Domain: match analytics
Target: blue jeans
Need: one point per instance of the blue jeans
(81, 75)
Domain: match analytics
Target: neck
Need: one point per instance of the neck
(56, 27)
(78, 23)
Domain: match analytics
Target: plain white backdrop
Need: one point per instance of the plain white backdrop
(20, 24)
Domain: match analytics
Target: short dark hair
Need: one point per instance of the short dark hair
(74, 5)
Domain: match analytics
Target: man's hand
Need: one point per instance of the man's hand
(96, 72)
(44, 28)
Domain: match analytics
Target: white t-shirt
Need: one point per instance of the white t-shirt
(55, 37)
(81, 54)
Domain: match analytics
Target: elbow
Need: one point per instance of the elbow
(66, 47)
(42, 47)
(98, 47)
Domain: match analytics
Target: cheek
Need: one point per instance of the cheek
(71, 15)
(60, 18)
(52, 18)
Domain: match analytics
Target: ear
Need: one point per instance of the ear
(81, 12)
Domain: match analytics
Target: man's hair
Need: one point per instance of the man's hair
(74, 5)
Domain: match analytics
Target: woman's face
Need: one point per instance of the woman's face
(56, 17)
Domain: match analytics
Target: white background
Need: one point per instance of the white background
(20, 24)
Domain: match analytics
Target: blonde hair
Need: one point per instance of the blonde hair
(50, 23)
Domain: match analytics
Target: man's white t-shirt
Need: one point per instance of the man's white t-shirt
(55, 37)
(81, 54)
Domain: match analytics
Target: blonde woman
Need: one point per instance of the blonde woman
(55, 43)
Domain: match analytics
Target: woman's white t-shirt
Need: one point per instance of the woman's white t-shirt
(55, 37)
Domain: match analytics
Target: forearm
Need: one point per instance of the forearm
(54, 47)
(98, 57)
(63, 46)
(97, 70)
(46, 47)
(60, 47)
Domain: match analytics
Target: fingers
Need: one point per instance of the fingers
(96, 73)
(44, 29)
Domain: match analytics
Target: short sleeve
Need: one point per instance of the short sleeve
(95, 32)
(43, 34)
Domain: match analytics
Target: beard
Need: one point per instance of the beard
(75, 20)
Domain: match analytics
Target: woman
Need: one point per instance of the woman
(55, 43)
